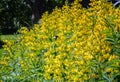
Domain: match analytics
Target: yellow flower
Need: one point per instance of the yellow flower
(4, 63)
(23, 30)
(112, 57)
(108, 70)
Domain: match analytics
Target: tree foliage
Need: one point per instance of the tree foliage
(16, 13)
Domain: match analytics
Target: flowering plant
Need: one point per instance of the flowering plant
(69, 45)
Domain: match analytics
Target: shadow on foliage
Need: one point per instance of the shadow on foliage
(1, 44)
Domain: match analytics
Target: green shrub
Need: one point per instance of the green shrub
(68, 46)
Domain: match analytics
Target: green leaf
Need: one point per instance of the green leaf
(108, 80)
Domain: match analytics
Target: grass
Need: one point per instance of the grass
(7, 37)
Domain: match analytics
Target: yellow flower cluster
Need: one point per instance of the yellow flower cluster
(80, 40)
(69, 45)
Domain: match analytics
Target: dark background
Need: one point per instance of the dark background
(16, 13)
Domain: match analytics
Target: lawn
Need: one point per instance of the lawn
(7, 37)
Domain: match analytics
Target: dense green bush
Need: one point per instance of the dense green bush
(72, 44)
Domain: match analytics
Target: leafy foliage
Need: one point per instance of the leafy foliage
(113, 36)
(68, 46)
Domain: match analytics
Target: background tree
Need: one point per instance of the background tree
(14, 14)
(17, 13)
